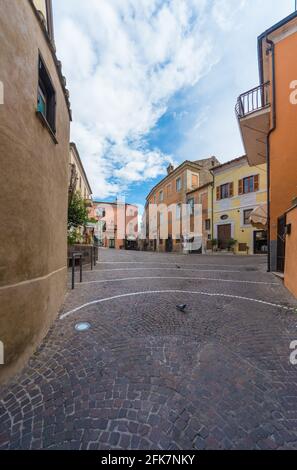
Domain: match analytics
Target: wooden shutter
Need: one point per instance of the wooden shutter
(256, 182)
(231, 189)
(218, 193)
(240, 186)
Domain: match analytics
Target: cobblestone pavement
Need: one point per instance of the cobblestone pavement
(148, 376)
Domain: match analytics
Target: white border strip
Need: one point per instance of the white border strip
(139, 278)
(133, 294)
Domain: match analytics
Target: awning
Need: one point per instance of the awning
(258, 217)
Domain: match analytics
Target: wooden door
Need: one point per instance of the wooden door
(224, 235)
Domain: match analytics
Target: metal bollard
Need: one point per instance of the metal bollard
(74, 256)
(73, 269)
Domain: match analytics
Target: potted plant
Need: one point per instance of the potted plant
(231, 244)
(214, 244)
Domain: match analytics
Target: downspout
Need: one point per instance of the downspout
(212, 203)
(272, 50)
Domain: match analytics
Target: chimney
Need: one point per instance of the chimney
(170, 169)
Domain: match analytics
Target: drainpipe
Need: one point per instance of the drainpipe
(272, 50)
(212, 203)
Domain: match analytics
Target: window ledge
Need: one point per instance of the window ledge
(46, 124)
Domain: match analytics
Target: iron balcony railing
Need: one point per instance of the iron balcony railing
(253, 100)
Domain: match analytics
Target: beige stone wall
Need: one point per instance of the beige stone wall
(34, 184)
(81, 184)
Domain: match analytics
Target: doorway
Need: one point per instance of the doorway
(260, 242)
(224, 235)
(111, 243)
(169, 244)
(281, 244)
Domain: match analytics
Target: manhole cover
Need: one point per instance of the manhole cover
(82, 326)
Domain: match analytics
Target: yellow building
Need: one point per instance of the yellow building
(239, 189)
(78, 174)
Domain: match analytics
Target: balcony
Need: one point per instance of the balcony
(253, 110)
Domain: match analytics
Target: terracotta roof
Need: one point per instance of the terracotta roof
(230, 162)
(199, 187)
(114, 203)
(186, 162)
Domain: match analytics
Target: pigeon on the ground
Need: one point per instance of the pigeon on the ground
(181, 307)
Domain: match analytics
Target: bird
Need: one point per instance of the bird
(181, 307)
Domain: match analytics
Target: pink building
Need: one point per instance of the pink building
(117, 224)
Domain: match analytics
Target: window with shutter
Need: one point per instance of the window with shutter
(231, 189)
(240, 187)
(256, 182)
(218, 193)
(194, 181)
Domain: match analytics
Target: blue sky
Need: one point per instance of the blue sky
(156, 81)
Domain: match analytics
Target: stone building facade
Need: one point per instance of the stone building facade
(34, 154)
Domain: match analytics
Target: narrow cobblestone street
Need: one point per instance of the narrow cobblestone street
(148, 376)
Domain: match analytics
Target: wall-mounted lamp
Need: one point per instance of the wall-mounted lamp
(288, 229)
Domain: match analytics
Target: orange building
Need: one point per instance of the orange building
(117, 224)
(167, 200)
(201, 196)
(268, 120)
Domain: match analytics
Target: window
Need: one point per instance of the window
(207, 224)
(194, 181)
(169, 187)
(242, 247)
(225, 191)
(178, 184)
(249, 184)
(246, 216)
(100, 212)
(178, 212)
(131, 228)
(191, 204)
(161, 196)
(46, 100)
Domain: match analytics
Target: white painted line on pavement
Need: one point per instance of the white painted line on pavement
(209, 294)
(175, 264)
(178, 277)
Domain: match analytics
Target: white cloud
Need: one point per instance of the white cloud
(225, 13)
(124, 60)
